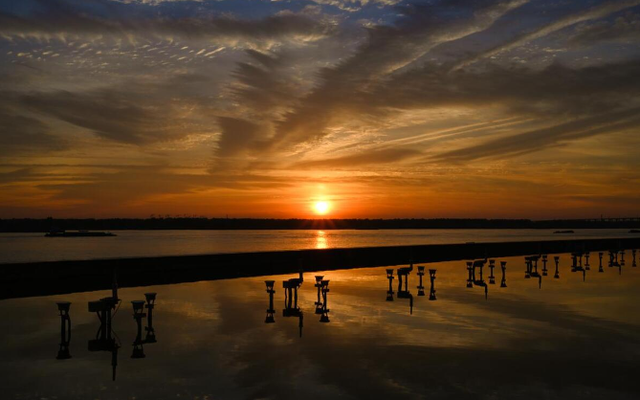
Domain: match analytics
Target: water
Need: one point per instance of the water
(26, 247)
(569, 339)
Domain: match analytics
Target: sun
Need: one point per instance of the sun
(321, 207)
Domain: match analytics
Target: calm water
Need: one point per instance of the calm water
(35, 247)
(569, 339)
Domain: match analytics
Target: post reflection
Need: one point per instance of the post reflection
(390, 292)
(403, 292)
(420, 284)
(474, 279)
(324, 310)
(291, 308)
(138, 315)
(107, 340)
(531, 271)
(65, 330)
(600, 255)
(613, 261)
(492, 265)
(432, 289)
(270, 319)
(576, 264)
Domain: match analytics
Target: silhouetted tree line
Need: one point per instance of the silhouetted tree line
(45, 225)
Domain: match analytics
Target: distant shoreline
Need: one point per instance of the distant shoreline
(47, 224)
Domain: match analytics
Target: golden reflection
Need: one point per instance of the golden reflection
(321, 240)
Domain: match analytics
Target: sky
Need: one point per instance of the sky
(372, 108)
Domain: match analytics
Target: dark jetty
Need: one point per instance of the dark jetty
(48, 278)
(564, 232)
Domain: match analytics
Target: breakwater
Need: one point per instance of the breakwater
(58, 277)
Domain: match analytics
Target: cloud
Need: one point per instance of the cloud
(237, 135)
(596, 12)
(388, 49)
(59, 18)
(133, 115)
(623, 29)
(551, 91)
(264, 83)
(551, 136)
(21, 134)
(384, 156)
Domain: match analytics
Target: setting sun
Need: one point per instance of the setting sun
(321, 207)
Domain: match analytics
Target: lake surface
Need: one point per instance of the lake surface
(569, 339)
(28, 247)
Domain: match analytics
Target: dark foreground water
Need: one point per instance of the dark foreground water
(210, 340)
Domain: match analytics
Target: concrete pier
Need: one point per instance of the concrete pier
(48, 278)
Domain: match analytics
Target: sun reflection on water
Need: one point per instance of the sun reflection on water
(321, 240)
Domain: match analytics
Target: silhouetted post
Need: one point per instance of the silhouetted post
(574, 262)
(138, 314)
(65, 330)
(634, 258)
(600, 269)
(544, 265)
(527, 272)
(399, 280)
(432, 290)
(420, 285)
(586, 263)
(503, 266)
(390, 291)
(492, 265)
(150, 337)
(270, 319)
(622, 257)
(470, 278)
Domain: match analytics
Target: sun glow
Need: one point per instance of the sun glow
(321, 207)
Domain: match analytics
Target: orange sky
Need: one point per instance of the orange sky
(497, 109)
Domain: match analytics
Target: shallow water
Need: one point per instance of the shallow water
(27, 247)
(569, 339)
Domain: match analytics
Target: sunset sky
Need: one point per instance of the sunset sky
(376, 108)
